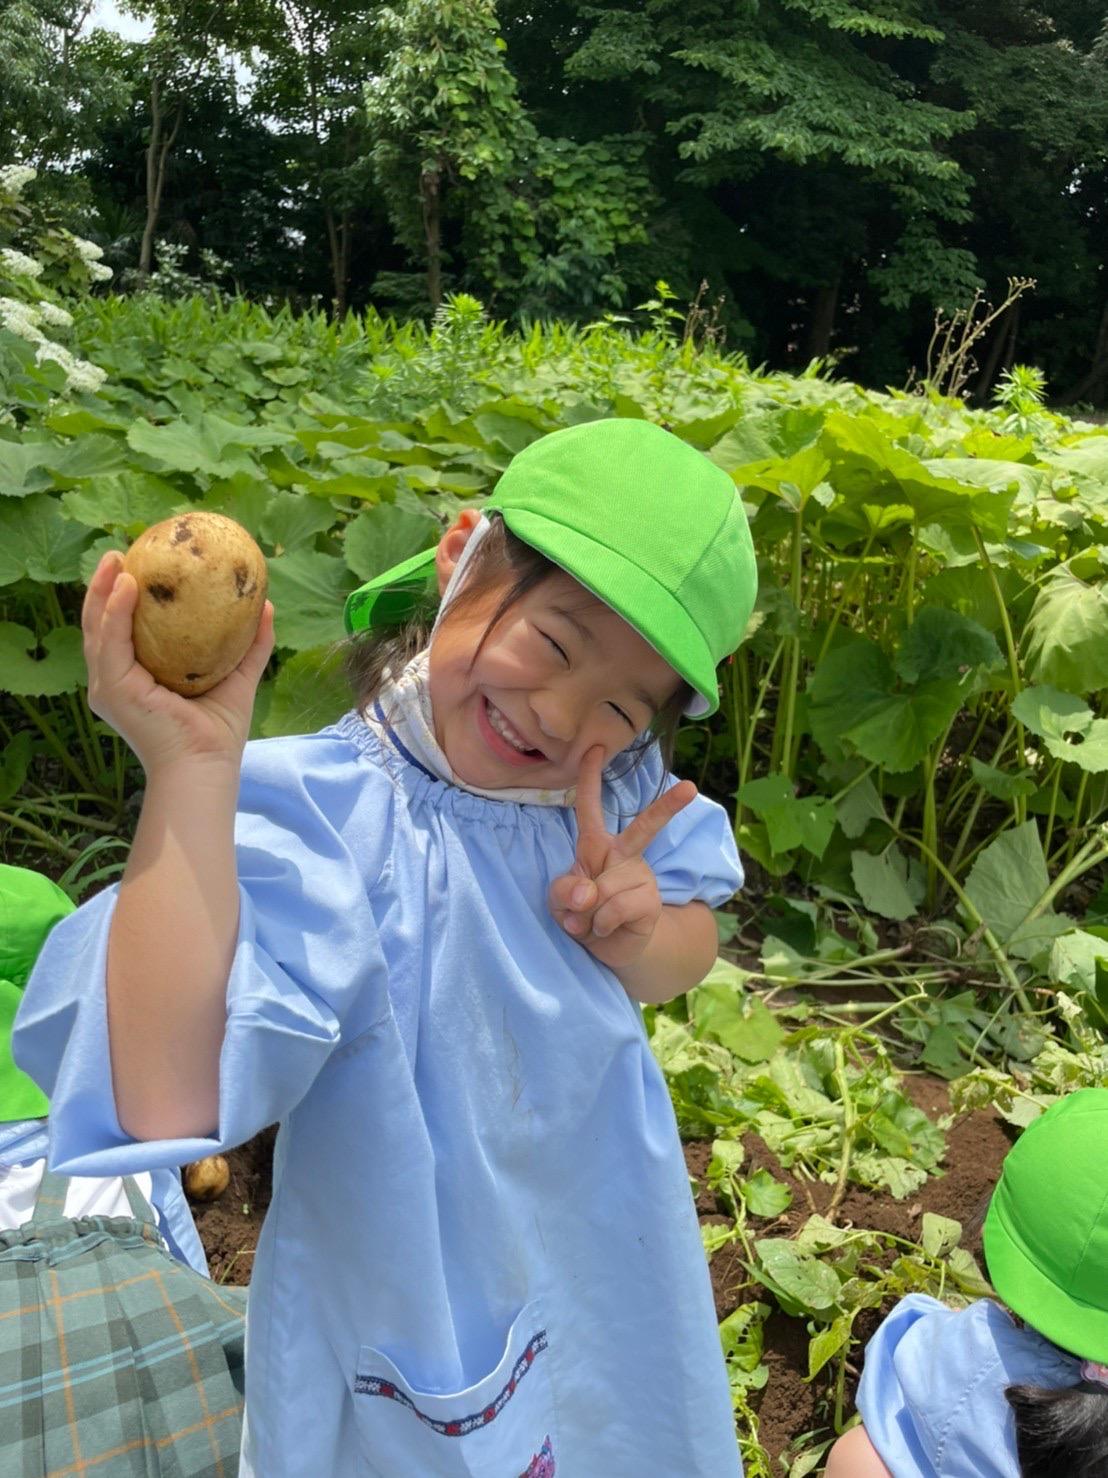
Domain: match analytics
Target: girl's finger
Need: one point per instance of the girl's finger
(590, 815)
(99, 588)
(572, 893)
(634, 840)
(115, 650)
(258, 654)
(635, 910)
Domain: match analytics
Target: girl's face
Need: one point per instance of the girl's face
(559, 673)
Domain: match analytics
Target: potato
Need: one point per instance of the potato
(206, 1179)
(202, 586)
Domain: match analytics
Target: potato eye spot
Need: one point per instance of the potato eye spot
(182, 530)
(162, 593)
(193, 677)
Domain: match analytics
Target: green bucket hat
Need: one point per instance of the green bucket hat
(30, 906)
(640, 518)
(1046, 1234)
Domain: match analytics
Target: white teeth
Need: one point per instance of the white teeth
(505, 730)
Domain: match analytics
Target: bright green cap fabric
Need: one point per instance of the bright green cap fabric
(30, 906)
(1046, 1234)
(639, 517)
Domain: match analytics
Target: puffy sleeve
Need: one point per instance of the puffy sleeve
(694, 857)
(931, 1395)
(307, 970)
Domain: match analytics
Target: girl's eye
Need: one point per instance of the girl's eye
(554, 644)
(626, 719)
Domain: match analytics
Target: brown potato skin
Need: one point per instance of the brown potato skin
(201, 591)
(206, 1179)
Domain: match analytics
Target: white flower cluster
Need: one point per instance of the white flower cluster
(18, 264)
(14, 176)
(53, 315)
(88, 251)
(100, 272)
(21, 319)
(79, 373)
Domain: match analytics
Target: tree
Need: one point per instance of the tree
(538, 220)
(313, 61)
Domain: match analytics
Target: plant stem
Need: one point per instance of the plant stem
(42, 837)
(55, 746)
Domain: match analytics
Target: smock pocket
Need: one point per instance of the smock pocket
(500, 1427)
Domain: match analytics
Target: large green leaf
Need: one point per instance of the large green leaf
(889, 884)
(310, 692)
(131, 500)
(382, 537)
(854, 695)
(802, 1278)
(1008, 879)
(1054, 717)
(40, 671)
(23, 467)
(942, 644)
(37, 542)
(869, 469)
(806, 821)
(209, 445)
(291, 519)
(308, 590)
(1067, 633)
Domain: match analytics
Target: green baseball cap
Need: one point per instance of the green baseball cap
(1046, 1234)
(30, 906)
(640, 518)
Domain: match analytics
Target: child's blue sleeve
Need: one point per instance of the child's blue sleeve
(931, 1395)
(694, 857)
(307, 970)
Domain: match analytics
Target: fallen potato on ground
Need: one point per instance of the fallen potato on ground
(206, 1179)
(202, 586)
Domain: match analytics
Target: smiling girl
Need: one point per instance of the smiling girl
(420, 945)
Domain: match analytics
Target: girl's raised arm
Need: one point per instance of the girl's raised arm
(176, 919)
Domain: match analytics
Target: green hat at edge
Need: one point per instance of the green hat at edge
(1046, 1234)
(639, 517)
(30, 906)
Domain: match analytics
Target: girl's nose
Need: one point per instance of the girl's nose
(555, 715)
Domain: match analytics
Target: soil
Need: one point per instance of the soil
(789, 1405)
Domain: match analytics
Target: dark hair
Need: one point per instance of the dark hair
(501, 556)
(1061, 1432)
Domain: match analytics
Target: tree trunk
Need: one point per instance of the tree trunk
(1083, 388)
(823, 316)
(432, 230)
(157, 152)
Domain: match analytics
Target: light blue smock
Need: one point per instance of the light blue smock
(931, 1395)
(23, 1141)
(481, 1242)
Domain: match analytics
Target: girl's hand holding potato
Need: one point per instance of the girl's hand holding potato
(160, 726)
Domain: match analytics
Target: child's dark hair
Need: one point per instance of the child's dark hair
(1061, 1432)
(370, 654)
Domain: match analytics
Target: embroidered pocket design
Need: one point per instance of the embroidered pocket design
(489, 1429)
(375, 1385)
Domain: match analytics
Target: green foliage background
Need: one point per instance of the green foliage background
(833, 170)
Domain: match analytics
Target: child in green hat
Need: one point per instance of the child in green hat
(1006, 1392)
(116, 1356)
(421, 946)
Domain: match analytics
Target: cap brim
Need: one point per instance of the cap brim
(1067, 1321)
(389, 599)
(642, 602)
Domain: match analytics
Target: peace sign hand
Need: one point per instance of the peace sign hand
(610, 902)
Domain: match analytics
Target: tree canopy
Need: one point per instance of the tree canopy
(836, 171)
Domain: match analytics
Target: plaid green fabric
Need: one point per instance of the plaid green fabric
(116, 1360)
